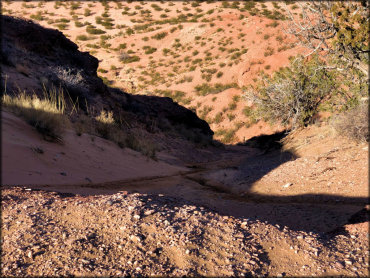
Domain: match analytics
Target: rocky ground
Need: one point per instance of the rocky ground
(48, 234)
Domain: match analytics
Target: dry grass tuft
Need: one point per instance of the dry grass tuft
(354, 123)
(45, 114)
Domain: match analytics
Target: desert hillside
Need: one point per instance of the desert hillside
(201, 54)
(128, 149)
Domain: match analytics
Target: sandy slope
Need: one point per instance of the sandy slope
(27, 159)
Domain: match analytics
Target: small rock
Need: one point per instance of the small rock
(287, 185)
(29, 254)
(137, 217)
(187, 252)
(348, 262)
(149, 212)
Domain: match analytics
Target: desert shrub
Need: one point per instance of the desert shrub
(159, 36)
(108, 128)
(218, 118)
(126, 58)
(149, 49)
(79, 24)
(83, 38)
(93, 30)
(87, 12)
(102, 70)
(354, 123)
(165, 51)
(269, 51)
(38, 16)
(62, 26)
(45, 114)
(283, 48)
(279, 38)
(230, 116)
(227, 135)
(274, 23)
(62, 20)
(205, 88)
(294, 94)
(96, 46)
(122, 46)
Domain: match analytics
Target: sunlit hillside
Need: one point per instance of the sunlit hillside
(201, 54)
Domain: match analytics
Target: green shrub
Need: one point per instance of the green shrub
(38, 16)
(125, 58)
(93, 30)
(83, 38)
(269, 51)
(294, 94)
(87, 12)
(205, 88)
(62, 26)
(159, 36)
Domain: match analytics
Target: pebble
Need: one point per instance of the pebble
(348, 262)
(149, 212)
(287, 185)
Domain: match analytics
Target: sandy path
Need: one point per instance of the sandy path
(27, 159)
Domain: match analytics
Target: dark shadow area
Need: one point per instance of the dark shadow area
(266, 143)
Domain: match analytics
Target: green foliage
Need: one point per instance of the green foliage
(38, 16)
(205, 88)
(159, 36)
(293, 95)
(125, 58)
(93, 30)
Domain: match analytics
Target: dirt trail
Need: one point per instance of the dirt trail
(203, 186)
(234, 216)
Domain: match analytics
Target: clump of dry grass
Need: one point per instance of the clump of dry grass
(45, 114)
(108, 129)
(354, 123)
(48, 116)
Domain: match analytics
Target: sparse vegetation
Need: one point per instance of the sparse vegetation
(159, 36)
(205, 88)
(354, 123)
(45, 114)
